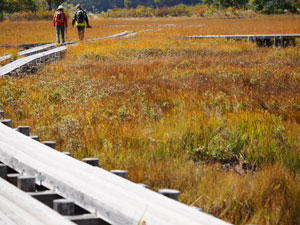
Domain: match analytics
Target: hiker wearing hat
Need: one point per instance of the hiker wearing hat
(81, 19)
(60, 21)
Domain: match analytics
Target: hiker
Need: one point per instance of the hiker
(81, 19)
(60, 21)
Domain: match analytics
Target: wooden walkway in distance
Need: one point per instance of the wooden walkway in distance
(30, 51)
(25, 46)
(24, 63)
(31, 47)
(279, 39)
(35, 54)
(117, 35)
(5, 57)
(37, 49)
(112, 198)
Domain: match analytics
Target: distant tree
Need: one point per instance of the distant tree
(29, 5)
(20, 5)
(172, 2)
(157, 3)
(208, 2)
(90, 5)
(53, 4)
(104, 5)
(227, 3)
(160, 3)
(2, 9)
(240, 3)
(284, 4)
(258, 4)
(127, 3)
(2, 6)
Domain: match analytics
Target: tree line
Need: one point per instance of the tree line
(257, 5)
(97, 6)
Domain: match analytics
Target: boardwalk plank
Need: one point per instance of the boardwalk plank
(36, 49)
(258, 36)
(114, 199)
(8, 68)
(18, 208)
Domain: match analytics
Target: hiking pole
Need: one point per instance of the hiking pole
(66, 33)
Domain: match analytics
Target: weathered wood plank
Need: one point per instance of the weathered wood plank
(18, 208)
(258, 36)
(4, 70)
(36, 49)
(26, 46)
(29, 51)
(40, 48)
(117, 35)
(36, 45)
(5, 57)
(114, 199)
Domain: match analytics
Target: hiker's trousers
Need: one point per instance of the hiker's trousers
(80, 30)
(60, 30)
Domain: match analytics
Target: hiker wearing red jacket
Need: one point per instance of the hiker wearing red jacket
(59, 22)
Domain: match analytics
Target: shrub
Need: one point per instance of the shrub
(31, 16)
(142, 11)
(162, 12)
(180, 10)
(46, 15)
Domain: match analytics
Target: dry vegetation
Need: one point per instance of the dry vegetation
(218, 120)
(43, 31)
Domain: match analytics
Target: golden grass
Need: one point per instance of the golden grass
(43, 31)
(183, 114)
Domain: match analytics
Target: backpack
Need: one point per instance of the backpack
(59, 17)
(80, 16)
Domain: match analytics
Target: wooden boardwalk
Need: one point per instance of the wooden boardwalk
(79, 192)
(30, 51)
(37, 45)
(5, 57)
(40, 47)
(104, 195)
(39, 54)
(25, 46)
(117, 35)
(26, 63)
(16, 208)
(279, 39)
(37, 49)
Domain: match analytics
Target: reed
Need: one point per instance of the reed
(217, 120)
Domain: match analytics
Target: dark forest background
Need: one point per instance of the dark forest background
(98, 6)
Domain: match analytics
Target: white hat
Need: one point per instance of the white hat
(60, 7)
(77, 6)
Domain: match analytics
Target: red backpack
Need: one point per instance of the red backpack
(59, 17)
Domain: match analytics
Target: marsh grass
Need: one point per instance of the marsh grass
(43, 31)
(217, 120)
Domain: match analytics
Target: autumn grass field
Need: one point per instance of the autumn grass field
(218, 120)
(43, 31)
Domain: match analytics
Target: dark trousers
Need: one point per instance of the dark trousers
(60, 30)
(80, 30)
